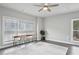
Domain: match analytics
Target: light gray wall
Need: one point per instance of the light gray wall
(0, 31)
(40, 26)
(59, 27)
(13, 13)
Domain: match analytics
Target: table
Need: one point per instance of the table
(23, 38)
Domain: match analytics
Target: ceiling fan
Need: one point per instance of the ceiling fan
(46, 7)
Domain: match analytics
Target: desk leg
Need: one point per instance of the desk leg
(20, 41)
(14, 42)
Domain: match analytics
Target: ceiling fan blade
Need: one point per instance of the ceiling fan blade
(40, 9)
(49, 10)
(46, 6)
(41, 5)
(38, 5)
(53, 5)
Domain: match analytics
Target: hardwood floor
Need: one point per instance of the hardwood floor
(35, 48)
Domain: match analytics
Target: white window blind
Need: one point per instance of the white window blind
(14, 26)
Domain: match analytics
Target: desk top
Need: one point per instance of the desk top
(21, 35)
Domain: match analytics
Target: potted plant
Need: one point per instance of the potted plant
(42, 32)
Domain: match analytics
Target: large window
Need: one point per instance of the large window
(75, 30)
(11, 25)
(25, 26)
(14, 26)
(10, 28)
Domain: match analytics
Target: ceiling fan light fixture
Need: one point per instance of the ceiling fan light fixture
(45, 8)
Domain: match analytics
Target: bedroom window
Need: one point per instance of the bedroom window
(75, 30)
(10, 28)
(13, 27)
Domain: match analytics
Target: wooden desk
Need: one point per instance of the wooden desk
(22, 38)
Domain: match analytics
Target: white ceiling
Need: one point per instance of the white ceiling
(33, 10)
